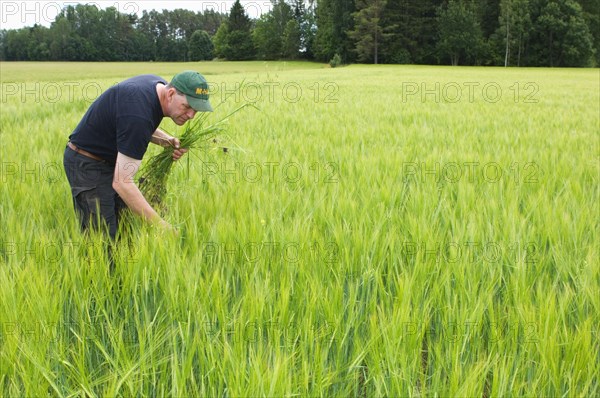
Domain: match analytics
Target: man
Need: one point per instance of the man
(105, 150)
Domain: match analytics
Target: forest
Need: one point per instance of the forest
(551, 33)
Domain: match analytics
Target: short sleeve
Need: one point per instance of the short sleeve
(133, 136)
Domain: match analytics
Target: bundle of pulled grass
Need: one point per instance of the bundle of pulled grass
(197, 134)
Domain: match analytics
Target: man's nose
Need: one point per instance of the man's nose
(191, 113)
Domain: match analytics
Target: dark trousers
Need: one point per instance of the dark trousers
(96, 203)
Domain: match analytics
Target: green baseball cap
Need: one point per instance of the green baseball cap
(195, 88)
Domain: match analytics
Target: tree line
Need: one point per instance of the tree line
(457, 32)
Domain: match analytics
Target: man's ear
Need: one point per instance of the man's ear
(171, 92)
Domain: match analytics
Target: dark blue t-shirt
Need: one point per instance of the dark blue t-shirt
(122, 119)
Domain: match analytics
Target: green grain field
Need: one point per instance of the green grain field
(370, 231)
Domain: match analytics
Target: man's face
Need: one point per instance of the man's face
(180, 110)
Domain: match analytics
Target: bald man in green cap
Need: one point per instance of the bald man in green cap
(106, 148)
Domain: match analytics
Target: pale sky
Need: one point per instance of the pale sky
(16, 14)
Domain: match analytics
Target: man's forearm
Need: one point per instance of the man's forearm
(161, 138)
(134, 199)
(123, 183)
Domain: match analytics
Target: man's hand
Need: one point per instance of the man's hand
(168, 228)
(177, 152)
(165, 140)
